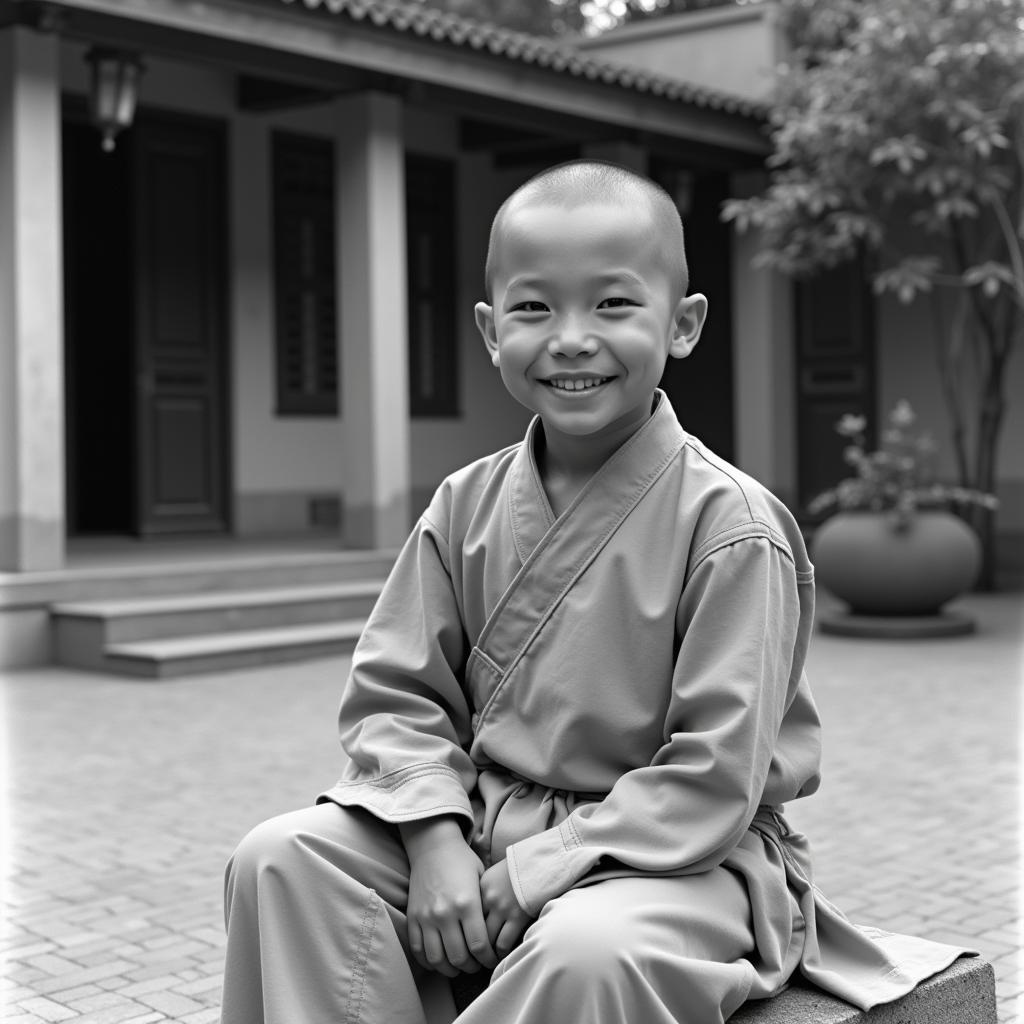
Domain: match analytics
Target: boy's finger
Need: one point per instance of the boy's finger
(494, 922)
(416, 944)
(455, 945)
(478, 941)
(508, 938)
(434, 952)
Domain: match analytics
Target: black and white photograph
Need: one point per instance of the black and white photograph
(512, 511)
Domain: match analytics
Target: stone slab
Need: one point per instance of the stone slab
(962, 994)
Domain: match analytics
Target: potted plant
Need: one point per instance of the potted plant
(891, 546)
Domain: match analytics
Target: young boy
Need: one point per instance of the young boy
(579, 704)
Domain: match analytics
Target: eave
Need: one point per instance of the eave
(337, 52)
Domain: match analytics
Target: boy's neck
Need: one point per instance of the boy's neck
(566, 462)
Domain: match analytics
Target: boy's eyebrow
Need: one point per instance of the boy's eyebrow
(617, 276)
(525, 281)
(610, 277)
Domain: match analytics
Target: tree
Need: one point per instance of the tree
(898, 134)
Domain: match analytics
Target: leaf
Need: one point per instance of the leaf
(989, 276)
(912, 275)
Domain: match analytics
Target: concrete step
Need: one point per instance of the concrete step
(118, 620)
(192, 655)
(192, 574)
(85, 631)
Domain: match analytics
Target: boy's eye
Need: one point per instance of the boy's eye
(529, 306)
(615, 302)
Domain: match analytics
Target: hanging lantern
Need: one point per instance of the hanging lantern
(115, 84)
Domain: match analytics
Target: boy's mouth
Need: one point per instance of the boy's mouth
(576, 383)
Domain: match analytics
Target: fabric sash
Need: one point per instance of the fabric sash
(568, 547)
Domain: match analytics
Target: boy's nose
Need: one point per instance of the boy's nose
(572, 338)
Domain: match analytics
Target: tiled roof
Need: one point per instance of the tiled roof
(422, 20)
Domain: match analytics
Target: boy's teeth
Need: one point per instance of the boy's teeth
(577, 385)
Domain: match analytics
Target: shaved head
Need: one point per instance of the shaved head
(595, 182)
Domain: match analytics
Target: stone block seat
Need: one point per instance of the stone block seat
(962, 994)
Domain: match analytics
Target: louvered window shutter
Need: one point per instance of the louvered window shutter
(304, 281)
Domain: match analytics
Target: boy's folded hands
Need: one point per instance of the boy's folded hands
(506, 919)
(460, 917)
(447, 931)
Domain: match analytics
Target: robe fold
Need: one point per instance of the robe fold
(615, 692)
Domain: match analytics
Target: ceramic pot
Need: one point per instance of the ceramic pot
(877, 569)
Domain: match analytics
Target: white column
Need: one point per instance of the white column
(32, 527)
(764, 363)
(372, 319)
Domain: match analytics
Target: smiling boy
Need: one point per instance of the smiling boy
(579, 705)
(589, 299)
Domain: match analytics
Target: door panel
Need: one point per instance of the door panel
(180, 334)
(835, 371)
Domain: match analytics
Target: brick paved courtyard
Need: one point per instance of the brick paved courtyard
(127, 797)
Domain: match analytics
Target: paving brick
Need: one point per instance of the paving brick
(67, 995)
(206, 1016)
(94, 1003)
(50, 963)
(83, 976)
(181, 949)
(200, 986)
(159, 969)
(171, 1003)
(159, 983)
(47, 1009)
(123, 1014)
(22, 975)
(14, 994)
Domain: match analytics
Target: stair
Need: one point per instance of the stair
(211, 630)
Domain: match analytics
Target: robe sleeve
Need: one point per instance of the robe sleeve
(404, 720)
(741, 636)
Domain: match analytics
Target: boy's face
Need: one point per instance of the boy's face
(585, 313)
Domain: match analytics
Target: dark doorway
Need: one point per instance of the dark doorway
(700, 387)
(99, 313)
(145, 327)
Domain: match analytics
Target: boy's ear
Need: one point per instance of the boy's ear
(687, 324)
(484, 315)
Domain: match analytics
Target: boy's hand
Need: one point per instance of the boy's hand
(447, 932)
(506, 920)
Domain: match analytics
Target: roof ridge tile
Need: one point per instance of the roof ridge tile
(422, 19)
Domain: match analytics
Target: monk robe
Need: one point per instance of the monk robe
(614, 701)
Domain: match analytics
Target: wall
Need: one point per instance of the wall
(908, 369)
(281, 464)
(490, 418)
(730, 49)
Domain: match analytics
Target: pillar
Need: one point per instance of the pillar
(32, 516)
(373, 328)
(764, 362)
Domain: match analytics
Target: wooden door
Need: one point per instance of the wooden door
(180, 337)
(835, 371)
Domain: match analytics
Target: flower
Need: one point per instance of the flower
(898, 477)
